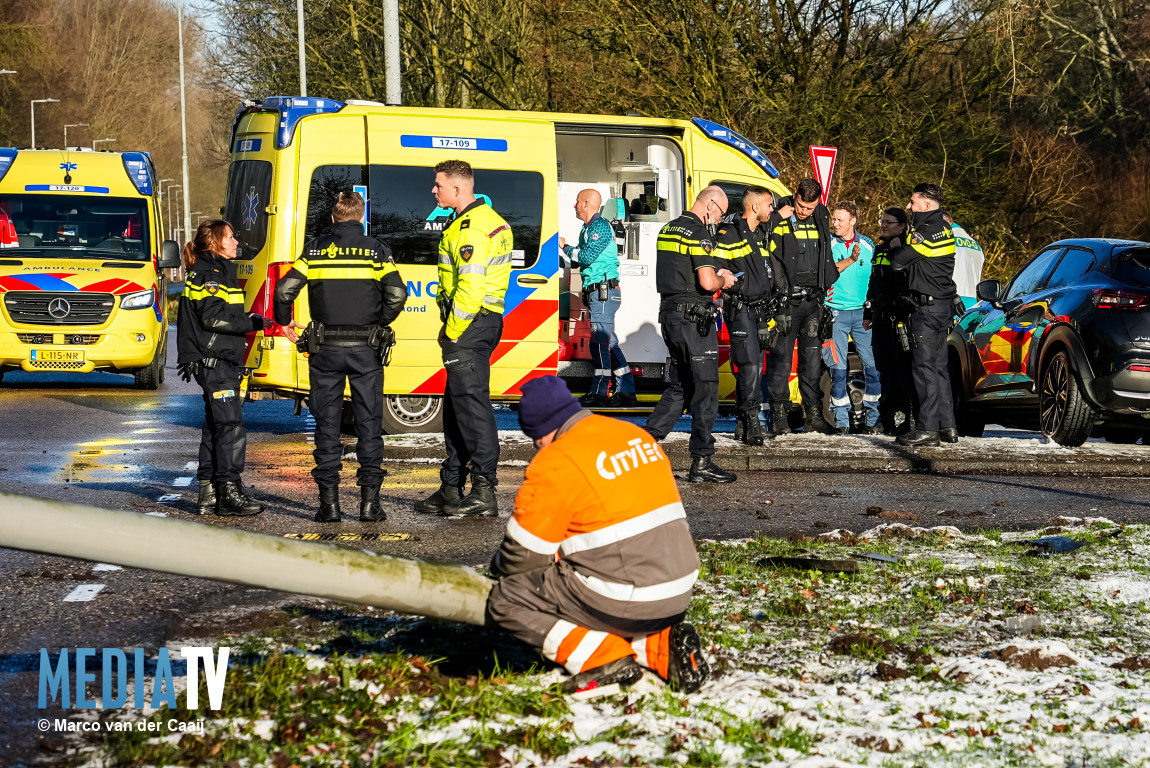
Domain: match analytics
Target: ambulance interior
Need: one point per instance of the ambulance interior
(641, 180)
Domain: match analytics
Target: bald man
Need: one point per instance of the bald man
(597, 257)
(687, 276)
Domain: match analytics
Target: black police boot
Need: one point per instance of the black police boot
(752, 429)
(814, 421)
(703, 470)
(234, 501)
(920, 438)
(687, 669)
(208, 499)
(624, 400)
(369, 509)
(328, 504)
(591, 400)
(780, 422)
(948, 435)
(446, 496)
(479, 503)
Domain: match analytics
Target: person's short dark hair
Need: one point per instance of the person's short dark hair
(896, 213)
(930, 191)
(753, 193)
(348, 206)
(809, 190)
(456, 168)
(849, 206)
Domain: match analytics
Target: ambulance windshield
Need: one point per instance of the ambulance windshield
(74, 227)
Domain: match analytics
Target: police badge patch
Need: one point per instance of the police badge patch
(212, 288)
(917, 238)
(706, 245)
(465, 252)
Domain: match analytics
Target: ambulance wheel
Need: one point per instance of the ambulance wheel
(152, 375)
(410, 414)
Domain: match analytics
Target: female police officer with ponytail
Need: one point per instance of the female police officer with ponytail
(210, 340)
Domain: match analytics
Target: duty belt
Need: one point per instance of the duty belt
(612, 283)
(803, 292)
(684, 306)
(346, 335)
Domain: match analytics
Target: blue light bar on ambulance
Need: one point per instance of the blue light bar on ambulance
(7, 156)
(741, 143)
(139, 168)
(292, 109)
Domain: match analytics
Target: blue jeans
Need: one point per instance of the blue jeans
(605, 353)
(848, 325)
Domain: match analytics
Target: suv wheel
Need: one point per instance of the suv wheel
(968, 421)
(1063, 413)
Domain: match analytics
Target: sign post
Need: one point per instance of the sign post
(823, 162)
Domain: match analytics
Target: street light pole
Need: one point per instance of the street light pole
(100, 141)
(72, 125)
(393, 92)
(184, 120)
(34, 103)
(302, 55)
(160, 189)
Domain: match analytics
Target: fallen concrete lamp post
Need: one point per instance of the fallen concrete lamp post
(400, 584)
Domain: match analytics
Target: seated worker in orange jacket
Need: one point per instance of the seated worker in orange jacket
(597, 565)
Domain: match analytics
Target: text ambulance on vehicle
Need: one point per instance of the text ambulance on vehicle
(292, 156)
(81, 264)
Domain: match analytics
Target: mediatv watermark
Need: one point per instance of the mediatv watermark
(74, 672)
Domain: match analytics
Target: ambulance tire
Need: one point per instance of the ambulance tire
(412, 414)
(151, 376)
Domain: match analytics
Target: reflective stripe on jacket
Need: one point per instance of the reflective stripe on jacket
(474, 265)
(602, 498)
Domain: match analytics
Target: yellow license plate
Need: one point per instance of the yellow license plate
(66, 355)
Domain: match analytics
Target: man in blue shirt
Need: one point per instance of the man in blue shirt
(853, 254)
(597, 257)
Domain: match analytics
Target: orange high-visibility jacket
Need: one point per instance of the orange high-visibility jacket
(602, 499)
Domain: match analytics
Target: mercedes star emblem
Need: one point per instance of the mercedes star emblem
(59, 308)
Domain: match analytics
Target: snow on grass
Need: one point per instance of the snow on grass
(965, 652)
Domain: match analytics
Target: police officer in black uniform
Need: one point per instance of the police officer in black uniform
(801, 246)
(928, 262)
(211, 326)
(687, 276)
(738, 246)
(885, 313)
(354, 293)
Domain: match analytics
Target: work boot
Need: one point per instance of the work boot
(208, 499)
(687, 669)
(948, 435)
(592, 400)
(328, 504)
(752, 430)
(703, 470)
(446, 496)
(479, 503)
(625, 671)
(814, 421)
(920, 438)
(780, 422)
(624, 400)
(740, 430)
(234, 501)
(369, 509)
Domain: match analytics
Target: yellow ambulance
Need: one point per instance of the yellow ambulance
(291, 157)
(82, 256)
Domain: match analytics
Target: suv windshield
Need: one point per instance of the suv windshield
(74, 226)
(1134, 266)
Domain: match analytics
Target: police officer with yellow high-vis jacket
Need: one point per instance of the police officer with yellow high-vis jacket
(927, 259)
(354, 293)
(474, 268)
(687, 276)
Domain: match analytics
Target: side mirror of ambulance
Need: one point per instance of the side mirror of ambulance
(169, 255)
(989, 291)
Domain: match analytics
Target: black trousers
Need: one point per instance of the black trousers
(929, 327)
(469, 432)
(223, 440)
(894, 371)
(805, 315)
(694, 381)
(329, 368)
(746, 358)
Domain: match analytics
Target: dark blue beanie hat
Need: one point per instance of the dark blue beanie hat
(546, 404)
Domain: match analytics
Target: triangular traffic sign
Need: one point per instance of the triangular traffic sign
(823, 162)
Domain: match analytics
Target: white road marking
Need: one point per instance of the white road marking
(105, 567)
(83, 593)
(156, 514)
(182, 482)
(168, 497)
(191, 465)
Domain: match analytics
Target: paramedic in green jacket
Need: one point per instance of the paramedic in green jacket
(853, 254)
(597, 257)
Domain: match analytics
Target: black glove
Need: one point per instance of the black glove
(257, 323)
(188, 371)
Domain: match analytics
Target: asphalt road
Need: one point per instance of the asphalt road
(94, 440)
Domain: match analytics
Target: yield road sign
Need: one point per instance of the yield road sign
(823, 162)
